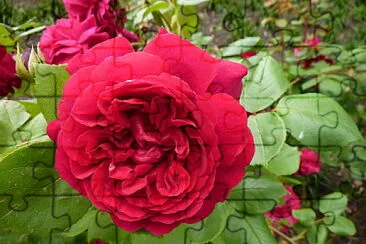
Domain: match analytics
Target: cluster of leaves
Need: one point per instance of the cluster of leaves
(341, 21)
(14, 13)
(291, 107)
(294, 107)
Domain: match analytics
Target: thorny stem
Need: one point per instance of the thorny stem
(300, 235)
(282, 235)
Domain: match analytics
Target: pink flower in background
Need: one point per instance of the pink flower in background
(314, 42)
(248, 54)
(284, 211)
(309, 163)
(69, 37)
(311, 42)
(8, 77)
(307, 63)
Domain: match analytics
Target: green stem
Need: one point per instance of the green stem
(282, 235)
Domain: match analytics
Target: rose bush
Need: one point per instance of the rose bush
(156, 138)
(8, 77)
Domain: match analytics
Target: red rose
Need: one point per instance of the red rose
(155, 137)
(309, 163)
(314, 42)
(81, 9)
(8, 77)
(109, 17)
(284, 211)
(69, 37)
(248, 54)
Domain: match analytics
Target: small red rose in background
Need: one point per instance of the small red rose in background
(283, 212)
(156, 138)
(8, 77)
(248, 54)
(90, 22)
(313, 43)
(309, 163)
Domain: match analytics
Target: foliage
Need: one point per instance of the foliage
(299, 95)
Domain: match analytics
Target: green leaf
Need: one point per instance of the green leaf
(245, 228)
(33, 129)
(5, 37)
(191, 2)
(282, 23)
(33, 199)
(286, 162)
(30, 32)
(12, 117)
(264, 86)
(290, 180)
(10, 237)
(187, 20)
(82, 224)
(155, 7)
(49, 80)
(269, 134)
(31, 106)
(199, 39)
(318, 121)
(257, 194)
(201, 232)
(240, 46)
(317, 234)
(342, 226)
(335, 203)
(102, 227)
(306, 216)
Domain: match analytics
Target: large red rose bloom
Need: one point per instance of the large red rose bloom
(156, 138)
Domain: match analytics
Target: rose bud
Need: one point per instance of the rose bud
(25, 63)
(309, 163)
(157, 137)
(283, 213)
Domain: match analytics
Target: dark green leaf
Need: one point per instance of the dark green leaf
(33, 199)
